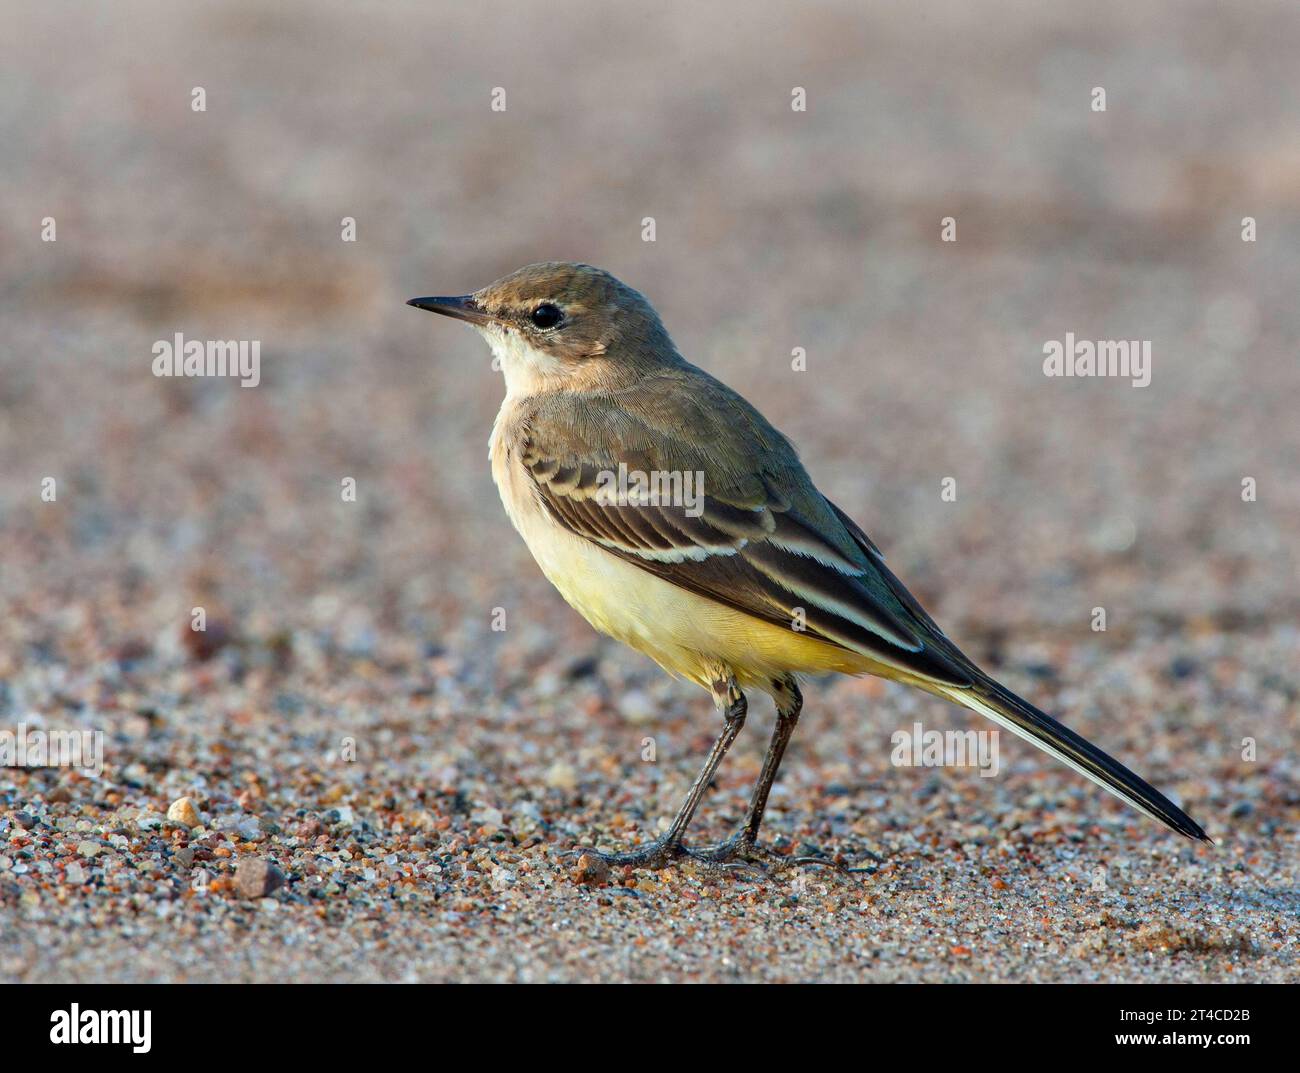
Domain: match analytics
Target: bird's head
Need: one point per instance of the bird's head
(560, 326)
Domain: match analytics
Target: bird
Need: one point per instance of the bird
(675, 518)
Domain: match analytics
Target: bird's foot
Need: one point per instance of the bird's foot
(743, 849)
(740, 859)
(740, 854)
(657, 854)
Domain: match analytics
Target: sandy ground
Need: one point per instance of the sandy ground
(382, 784)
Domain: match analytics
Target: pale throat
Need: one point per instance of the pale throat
(528, 371)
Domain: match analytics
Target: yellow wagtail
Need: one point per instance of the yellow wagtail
(720, 560)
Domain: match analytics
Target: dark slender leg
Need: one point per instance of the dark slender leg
(789, 703)
(743, 845)
(669, 846)
(733, 720)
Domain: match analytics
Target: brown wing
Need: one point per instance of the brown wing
(728, 514)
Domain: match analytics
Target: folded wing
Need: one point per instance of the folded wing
(752, 533)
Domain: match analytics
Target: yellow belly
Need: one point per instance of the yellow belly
(684, 633)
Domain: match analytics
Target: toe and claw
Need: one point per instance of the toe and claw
(737, 854)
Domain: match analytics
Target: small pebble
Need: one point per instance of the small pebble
(310, 828)
(182, 811)
(256, 878)
(561, 776)
(591, 870)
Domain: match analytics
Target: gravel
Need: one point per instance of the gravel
(350, 774)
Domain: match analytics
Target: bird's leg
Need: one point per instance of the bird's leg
(743, 845)
(789, 703)
(668, 846)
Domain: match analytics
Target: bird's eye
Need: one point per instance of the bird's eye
(547, 315)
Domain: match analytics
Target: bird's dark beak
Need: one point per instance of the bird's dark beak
(462, 308)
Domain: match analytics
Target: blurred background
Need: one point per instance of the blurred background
(775, 229)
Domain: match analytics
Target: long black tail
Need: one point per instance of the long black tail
(1019, 716)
